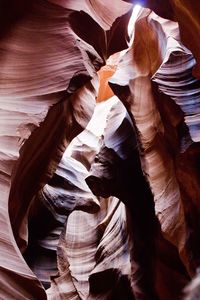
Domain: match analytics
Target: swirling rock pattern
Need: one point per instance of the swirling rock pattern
(103, 252)
(187, 13)
(51, 52)
(132, 83)
(94, 247)
(66, 191)
(146, 57)
(163, 120)
(46, 72)
(119, 172)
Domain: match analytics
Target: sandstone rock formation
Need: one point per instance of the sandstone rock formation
(137, 235)
(46, 73)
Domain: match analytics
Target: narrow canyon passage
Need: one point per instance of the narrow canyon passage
(99, 150)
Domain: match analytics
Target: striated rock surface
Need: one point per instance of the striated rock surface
(93, 251)
(66, 191)
(117, 171)
(48, 74)
(187, 14)
(137, 235)
(96, 247)
(143, 59)
(155, 82)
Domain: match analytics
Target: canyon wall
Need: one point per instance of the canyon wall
(99, 201)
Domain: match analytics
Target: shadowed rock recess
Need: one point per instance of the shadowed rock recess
(99, 150)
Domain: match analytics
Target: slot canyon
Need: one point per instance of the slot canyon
(99, 150)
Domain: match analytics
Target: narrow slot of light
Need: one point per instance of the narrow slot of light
(133, 18)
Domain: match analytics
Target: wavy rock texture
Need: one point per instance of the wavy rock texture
(93, 252)
(181, 87)
(187, 14)
(99, 263)
(48, 74)
(66, 191)
(167, 134)
(117, 171)
(88, 143)
(145, 243)
(144, 59)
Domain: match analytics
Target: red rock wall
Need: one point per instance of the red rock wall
(147, 156)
